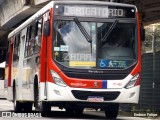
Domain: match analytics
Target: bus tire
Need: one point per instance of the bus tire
(74, 111)
(45, 108)
(111, 111)
(70, 111)
(78, 111)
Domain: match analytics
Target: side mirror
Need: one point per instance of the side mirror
(142, 34)
(46, 30)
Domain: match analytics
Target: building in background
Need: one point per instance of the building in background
(150, 83)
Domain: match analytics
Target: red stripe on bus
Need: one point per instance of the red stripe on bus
(137, 69)
(10, 65)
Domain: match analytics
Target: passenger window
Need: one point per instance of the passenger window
(38, 37)
(27, 41)
(33, 40)
(8, 50)
(16, 48)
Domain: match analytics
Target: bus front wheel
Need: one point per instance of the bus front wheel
(77, 111)
(111, 111)
(45, 108)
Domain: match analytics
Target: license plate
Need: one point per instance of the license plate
(95, 99)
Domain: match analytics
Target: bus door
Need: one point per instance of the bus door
(32, 53)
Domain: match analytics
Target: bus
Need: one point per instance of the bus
(76, 55)
(2, 75)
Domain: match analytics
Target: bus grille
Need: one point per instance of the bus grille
(83, 95)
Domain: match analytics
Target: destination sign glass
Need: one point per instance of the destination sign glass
(95, 11)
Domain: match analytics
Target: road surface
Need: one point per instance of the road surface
(7, 108)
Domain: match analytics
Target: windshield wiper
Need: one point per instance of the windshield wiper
(110, 30)
(83, 30)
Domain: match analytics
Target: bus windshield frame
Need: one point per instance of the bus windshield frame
(93, 62)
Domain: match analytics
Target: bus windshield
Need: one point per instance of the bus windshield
(94, 45)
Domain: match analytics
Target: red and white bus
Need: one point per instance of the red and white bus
(76, 55)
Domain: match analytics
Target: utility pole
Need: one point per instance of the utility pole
(153, 49)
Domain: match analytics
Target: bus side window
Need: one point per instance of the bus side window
(16, 48)
(26, 44)
(2, 73)
(7, 54)
(38, 36)
(32, 39)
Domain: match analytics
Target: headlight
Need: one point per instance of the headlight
(132, 82)
(57, 79)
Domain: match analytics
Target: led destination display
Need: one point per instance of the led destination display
(94, 11)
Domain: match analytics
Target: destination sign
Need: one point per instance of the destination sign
(94, 11)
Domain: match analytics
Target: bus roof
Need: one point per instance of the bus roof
(94, 3)
(31, 19)
(50, 5)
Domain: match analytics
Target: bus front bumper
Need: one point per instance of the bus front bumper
(64, 94)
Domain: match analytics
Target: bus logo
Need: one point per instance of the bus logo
(78, 84)
(95, 84)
